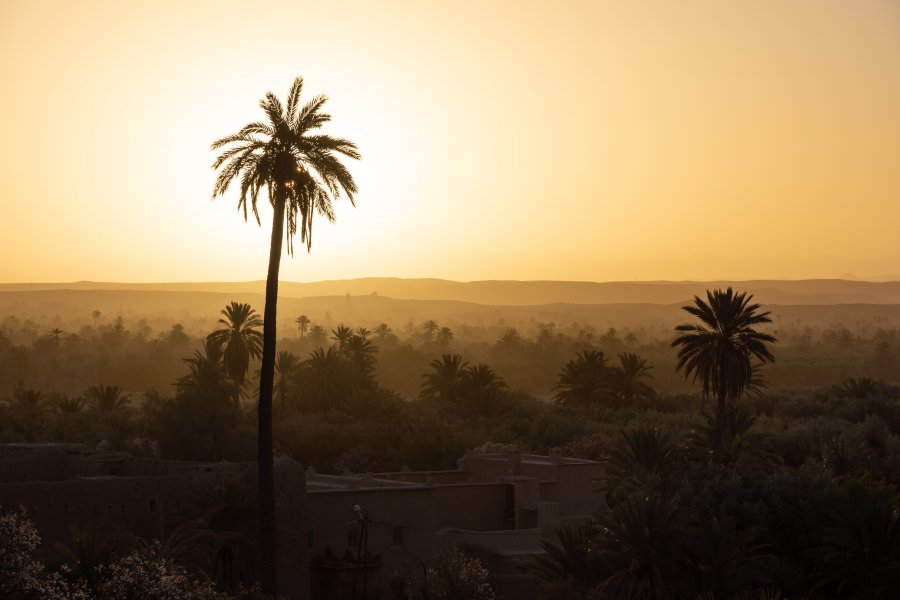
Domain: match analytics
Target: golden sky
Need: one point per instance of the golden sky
(501, 140)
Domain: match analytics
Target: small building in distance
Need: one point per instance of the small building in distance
(336, 533)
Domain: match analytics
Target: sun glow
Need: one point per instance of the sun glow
(508, 140)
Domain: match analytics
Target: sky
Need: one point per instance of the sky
(566, 140)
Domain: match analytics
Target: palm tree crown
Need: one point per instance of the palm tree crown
(300, 169)
(239, 340)
(584, 380)
(445, 381)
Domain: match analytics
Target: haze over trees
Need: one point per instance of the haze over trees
(679, 479)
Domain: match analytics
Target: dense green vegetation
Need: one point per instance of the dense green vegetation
(793, 489)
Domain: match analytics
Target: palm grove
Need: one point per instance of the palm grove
(772, 490)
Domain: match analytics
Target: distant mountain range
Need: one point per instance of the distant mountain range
(525, 293)
(370, 301)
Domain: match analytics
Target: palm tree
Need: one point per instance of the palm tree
(361, 354)
(584, 380)
(341, 335)
(445, 382)
(303, 322)
(444, 337)
(239, 340)
(640, 463)
(318, 336)
(206, 370)
(107, 398)
(483, 388)
(430, 326)
(720, 350)
(628, 379)
(286, 367)
(325, 379)
(383, 331)
(302, 173)
(641, 540)
(509, 341)
(69, 406)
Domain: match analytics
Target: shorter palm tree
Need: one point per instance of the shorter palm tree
(341, 335)
(640, 462)
(383, 331)
(287, 366)
(584, 380)
(445, 382)
(239, 339)
(444, 337)
(482, 388)
(326, 380)
(720, 350)
(303, 322)
(628, 379)
(107, 398)
(429, 328)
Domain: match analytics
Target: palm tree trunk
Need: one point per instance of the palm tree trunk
(721, 410)
(268, 575)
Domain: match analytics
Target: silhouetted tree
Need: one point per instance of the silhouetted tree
(361, 354)
(584, 380)
(429, 328)
(341, 335)
(482, 388)
(445, 382)
(239, 340)
(628, 379)
(318, 336)
(325, 378)
(509, 342)
(444, 337)
(286, 367)
(721, 348)
(106, 398)
(303, 322)
(302, 173)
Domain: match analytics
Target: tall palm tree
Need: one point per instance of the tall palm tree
(302, 173)
(239, 340)
(722, 348)
(303, 322)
